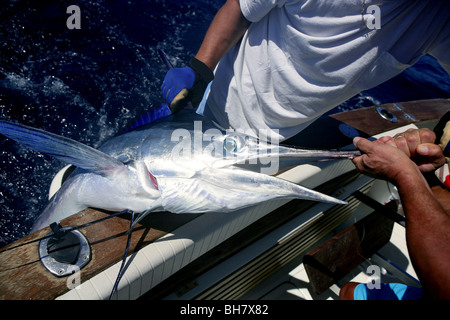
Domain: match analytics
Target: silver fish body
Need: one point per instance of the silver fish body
(181, 164)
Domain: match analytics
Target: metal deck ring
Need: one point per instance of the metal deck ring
(386, 114)
(63, 269)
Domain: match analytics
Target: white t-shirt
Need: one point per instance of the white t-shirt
(301, 58)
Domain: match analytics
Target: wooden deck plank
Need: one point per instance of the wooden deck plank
(367, 122)
(23, 276)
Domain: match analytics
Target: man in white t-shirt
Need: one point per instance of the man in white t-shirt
(278, 65)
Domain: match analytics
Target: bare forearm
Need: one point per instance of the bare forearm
(226, 29)
(427, 224)
(427, 235)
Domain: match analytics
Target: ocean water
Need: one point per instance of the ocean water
(88, 83)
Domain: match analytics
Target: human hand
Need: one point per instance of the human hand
(382, 160)
(186, 84)
(175, 87)
(418, 144)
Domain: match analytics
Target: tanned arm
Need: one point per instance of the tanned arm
(226, 29)
(427, 235)
(427, 224)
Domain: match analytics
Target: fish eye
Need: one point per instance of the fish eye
(124, 158)
(232, 143)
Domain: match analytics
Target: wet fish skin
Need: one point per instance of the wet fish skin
(182, 164)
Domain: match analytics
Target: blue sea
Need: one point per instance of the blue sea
(88, 83)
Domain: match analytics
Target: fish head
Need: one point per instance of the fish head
(216, 148)
(262, 152)
(208, 176)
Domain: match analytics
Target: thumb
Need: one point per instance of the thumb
(362, 144)
(431, 157)
(428, 149)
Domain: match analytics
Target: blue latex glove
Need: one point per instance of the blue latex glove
(186, 84)
(176, 85)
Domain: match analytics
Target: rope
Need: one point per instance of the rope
(59, 232)
(121, 270)
(69, 229)
(122, 267)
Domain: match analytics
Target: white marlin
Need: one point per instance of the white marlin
(164, 166)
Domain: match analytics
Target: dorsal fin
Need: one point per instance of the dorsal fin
(62, 148)
(152, 115)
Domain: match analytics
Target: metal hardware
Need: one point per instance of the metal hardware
(386, 114)
(64, 253)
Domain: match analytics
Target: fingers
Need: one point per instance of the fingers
(387, 140)
(366, 147)
(405, 145)
(379, 160)
(409, 140)
(429, 157)
(417, 144)
(167, 86)
(175, 81)
(428, 150)
(423, 135)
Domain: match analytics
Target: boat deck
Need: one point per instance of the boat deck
(272, 267)
(390, 264)
(292, 282)
(255, 253)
